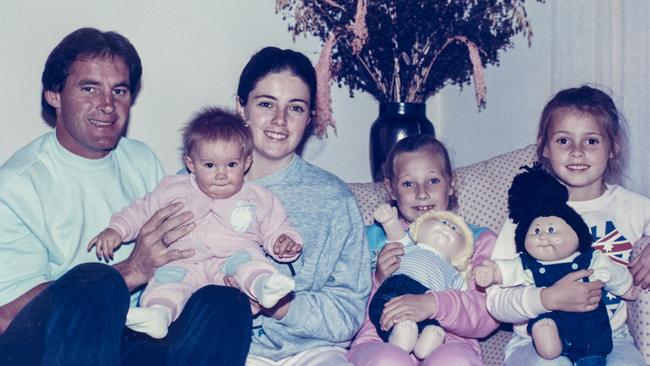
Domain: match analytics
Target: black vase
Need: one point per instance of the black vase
(395, 122)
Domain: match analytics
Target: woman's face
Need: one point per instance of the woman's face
(277, 111)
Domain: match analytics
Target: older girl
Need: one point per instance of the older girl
(276, 98)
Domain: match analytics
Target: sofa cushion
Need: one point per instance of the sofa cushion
(482, 188)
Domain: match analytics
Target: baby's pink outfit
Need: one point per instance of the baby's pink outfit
(231, 237)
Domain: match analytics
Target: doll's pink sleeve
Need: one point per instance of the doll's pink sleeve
(464, 313)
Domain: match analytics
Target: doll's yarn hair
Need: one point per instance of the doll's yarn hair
(536, 193)
(461, 260)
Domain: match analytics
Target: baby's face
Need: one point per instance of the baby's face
(441, 235)
(550, 239)
(219, 167)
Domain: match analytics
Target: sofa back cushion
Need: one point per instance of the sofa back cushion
(481, 188)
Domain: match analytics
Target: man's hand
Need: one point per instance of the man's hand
(571, 294)
(153, 247)
(487, 273)
(388, 261)
(105, 244)
(285, 247)
(408, 307)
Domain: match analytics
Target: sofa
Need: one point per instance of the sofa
(481, 190)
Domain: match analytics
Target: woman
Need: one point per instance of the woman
(276, 97)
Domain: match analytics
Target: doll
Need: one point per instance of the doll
(436, 257)
(553, 240)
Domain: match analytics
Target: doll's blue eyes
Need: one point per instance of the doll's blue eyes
(445, 222)
(550, 230)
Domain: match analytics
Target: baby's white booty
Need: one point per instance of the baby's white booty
(153, 320)
(270, 288)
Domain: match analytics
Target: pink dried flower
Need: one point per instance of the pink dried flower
(480, 88)
(323, 117)
(359, 27)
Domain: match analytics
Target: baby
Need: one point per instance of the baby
(236, 225)
(438, 260)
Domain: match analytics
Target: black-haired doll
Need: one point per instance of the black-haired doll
(552, 240)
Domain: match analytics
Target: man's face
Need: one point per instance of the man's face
(93, 107)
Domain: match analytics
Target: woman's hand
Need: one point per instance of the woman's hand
(408, 307)
(388, 261)
(640, 268)
(571, 294)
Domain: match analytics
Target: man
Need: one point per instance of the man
(58, 304)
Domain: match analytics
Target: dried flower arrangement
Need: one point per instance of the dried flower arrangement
(404, 50)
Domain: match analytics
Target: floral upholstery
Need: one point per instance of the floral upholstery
(481, 190)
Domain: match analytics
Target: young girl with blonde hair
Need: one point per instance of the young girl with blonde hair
(419, 179)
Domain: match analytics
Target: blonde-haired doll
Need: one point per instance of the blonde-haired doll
(437, 250)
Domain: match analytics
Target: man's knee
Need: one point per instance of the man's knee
(222, 294)
(94, 283)
(222, 299)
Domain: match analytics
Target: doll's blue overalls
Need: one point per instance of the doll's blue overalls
(583, 335)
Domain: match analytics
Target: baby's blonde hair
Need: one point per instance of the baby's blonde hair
(461, 260)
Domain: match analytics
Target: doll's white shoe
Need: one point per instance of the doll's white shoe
(431, 337)
(269, 289)
(153, 320)
(404, 335)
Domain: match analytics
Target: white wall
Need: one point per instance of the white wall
(192, 52)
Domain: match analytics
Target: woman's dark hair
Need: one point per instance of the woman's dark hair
(274, 60)
(88, 43)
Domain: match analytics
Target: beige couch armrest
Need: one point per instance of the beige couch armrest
(638, 319)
